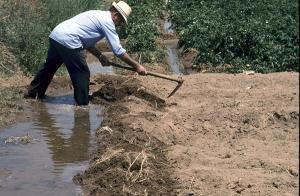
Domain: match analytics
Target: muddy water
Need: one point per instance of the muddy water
(173, 58)
(61, 138)
(168, 26)
(176, 66)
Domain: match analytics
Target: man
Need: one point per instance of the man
(68, 41)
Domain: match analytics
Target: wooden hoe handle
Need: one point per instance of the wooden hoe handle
(163, 76)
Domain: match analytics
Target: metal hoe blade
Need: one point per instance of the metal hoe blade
(176, 88)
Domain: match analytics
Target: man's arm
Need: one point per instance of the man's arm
(138, 67)
(104, 61)
(125, 57)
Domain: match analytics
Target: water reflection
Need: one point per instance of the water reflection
(64, 135)
(67, 132)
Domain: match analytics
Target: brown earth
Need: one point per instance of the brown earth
(220, 134)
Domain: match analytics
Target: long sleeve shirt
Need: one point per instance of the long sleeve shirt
(86, 29)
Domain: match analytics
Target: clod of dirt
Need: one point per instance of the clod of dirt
(283, 117)
(276, 184)
(293, 172)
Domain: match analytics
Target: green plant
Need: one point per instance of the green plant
(142, 30)
(261, 33)
(58, 11)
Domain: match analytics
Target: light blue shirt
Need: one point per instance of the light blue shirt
(86, 29)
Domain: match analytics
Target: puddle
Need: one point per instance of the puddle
(62, 137)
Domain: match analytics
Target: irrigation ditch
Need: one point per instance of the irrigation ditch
(221, 134)
(59, 139)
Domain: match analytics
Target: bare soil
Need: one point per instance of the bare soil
(220, 134)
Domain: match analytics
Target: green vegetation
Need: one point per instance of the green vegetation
(142, 30)
(261, 35)
(26, 25)
(24, 32)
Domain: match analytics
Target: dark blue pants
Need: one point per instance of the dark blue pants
(74, 59)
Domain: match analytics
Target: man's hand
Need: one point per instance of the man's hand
(104, 61)
(141, 70)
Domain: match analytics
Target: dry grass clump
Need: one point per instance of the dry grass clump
(8, 62)
(128, 163)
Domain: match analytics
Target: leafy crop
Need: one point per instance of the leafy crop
(261, 35)
(142, 29)
(26, 25)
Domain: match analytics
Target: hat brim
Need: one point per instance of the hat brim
(120, 11)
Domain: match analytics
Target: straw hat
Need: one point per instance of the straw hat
(123, 8)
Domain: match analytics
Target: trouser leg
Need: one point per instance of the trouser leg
(81, 82)
(74, 59)
(45, 74)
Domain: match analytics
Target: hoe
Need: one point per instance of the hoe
(179, 81)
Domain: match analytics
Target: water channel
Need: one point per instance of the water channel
(62, 139)
(176, 66)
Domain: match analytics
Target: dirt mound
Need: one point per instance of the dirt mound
(129, 161)
(116, 88)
